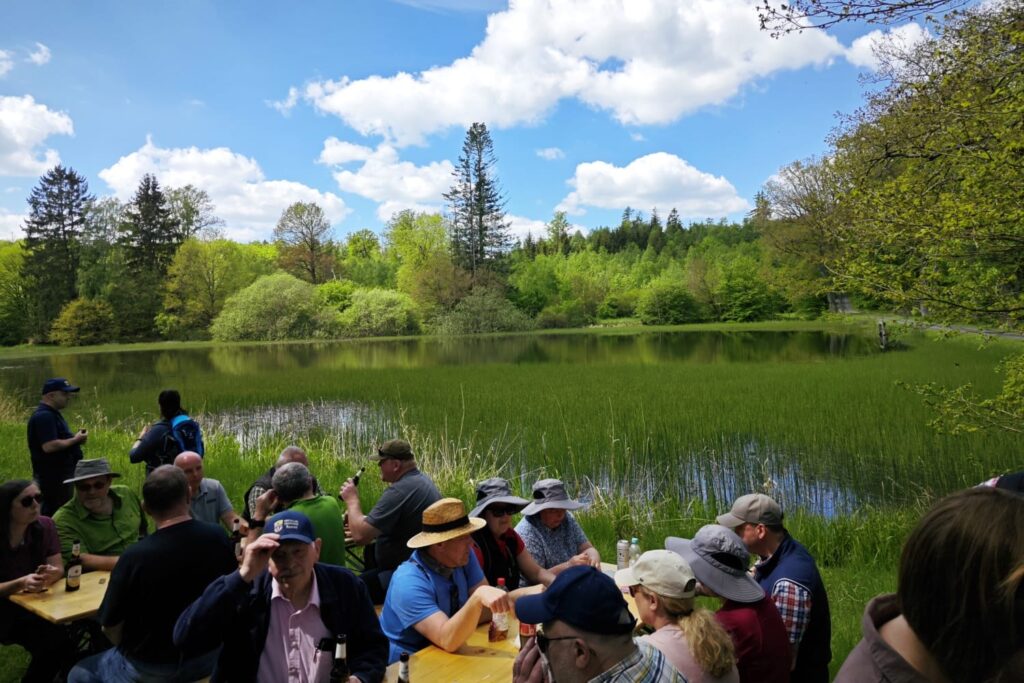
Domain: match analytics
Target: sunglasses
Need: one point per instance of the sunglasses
(27, 501)
(95, 486)
(501, 511)
(543, 641)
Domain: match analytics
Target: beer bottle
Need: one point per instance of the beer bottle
(498, 629)
(339, 672)
(403, 668)
(527, 632)
(236, 538)
(74, 578)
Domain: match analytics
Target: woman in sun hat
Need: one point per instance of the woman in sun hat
(719, 562)
(664, 588)
(499, 549)
(551, 534)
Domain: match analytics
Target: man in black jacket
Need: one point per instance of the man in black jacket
(282, 609)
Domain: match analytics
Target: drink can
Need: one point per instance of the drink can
(622, 554)
(526, 631)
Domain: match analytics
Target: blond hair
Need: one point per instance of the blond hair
(710, 645)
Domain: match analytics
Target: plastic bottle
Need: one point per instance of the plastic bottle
(499, 620)
(634, 551)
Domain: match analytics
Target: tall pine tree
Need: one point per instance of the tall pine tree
(52, 234)
(479, 231)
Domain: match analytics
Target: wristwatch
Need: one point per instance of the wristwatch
(257, 523)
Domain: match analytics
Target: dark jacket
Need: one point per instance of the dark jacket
(792, 561)
(238, 614)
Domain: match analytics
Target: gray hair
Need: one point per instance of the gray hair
(292, 481)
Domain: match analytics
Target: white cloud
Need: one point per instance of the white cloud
(659, 180)
(551, 153)
(10, 225)
(384, 178)
(520, 227)
(6, 62)
(285, 106)
(24, 126)
(40, 56)
(249, 203)
(637, 137)
(644, 61)
(869, 50)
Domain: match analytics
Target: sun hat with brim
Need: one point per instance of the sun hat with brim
(58, 384)
(719, 561)
(496, 490)
(87, 469)
(660, 571)
(753, 508)
(444, 520)
(395, 448)
(583, 597)
(549, 494)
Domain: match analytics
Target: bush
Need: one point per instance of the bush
(566, 314)
(335, 294)
(84, 321)
(274, 307)
(379, 313)
(667, 304)
(484, 310)
(619, 304)
(744, 296)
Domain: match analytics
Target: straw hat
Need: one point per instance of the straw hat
(444, 520)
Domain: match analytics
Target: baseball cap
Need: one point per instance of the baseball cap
(662, 572)
(291, 526)
(753, 508)
(583, 597)
(395, 448)
(58, 384)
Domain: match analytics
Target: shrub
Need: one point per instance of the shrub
(84, 321)
(566, 314)
(379, 313)
(483, 310)
(744, 296)
(274, 307)
(335, 294)
(667, 304)
(619, 304)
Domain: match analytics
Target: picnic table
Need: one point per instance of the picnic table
(58, 606)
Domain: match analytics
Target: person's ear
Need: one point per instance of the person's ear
(582, 653)
(319, 544)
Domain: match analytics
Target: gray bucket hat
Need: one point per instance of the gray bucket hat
(719, 561)
(550, 494)
(87, 469)
(496, 490)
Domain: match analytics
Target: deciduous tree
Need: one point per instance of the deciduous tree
(305, 235)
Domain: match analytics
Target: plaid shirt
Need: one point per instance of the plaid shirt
(794, 603)
(645, 665)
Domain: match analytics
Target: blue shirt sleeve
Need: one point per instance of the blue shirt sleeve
(44, 427)
(414, 597)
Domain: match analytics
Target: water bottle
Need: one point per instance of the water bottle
(499, 620)
(634, 551)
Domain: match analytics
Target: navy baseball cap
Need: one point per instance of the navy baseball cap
(291, 526)
(583, 597)
(58, 384)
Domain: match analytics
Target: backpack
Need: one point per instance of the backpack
(186, 434)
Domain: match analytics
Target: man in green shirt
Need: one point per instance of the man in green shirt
(105, 519)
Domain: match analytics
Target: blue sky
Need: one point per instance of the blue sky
(362, 105)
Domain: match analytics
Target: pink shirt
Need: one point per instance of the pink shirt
(289, 653)
(672, 643)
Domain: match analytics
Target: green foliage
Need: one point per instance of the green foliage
(619, 304)
(668, 304)
(335, 294)
(272, 308)
(304, 234)
(570, 313)
(744, 295)
(84, 322)
(379, 313)
(14, 297)
(483, 310)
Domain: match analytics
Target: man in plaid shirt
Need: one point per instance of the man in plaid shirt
(788, 574)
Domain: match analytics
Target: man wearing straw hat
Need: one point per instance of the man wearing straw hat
(106, 519)
(440, 595)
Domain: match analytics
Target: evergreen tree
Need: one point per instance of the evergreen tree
(479, 231)
(52, 234)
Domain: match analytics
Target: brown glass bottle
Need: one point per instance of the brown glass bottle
(339, 672)
(73, 581)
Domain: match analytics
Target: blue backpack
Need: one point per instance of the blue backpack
(186, 433)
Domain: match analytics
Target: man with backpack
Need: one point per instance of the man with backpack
(162, 441)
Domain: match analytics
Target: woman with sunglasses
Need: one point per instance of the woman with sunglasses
(499, 549)
(29, 562)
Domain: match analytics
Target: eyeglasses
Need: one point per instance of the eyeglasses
(543, 641)
(27, 501)
(500, 511)
(95, 486)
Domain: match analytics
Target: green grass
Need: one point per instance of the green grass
(660, 439)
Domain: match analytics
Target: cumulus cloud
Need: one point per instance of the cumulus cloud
(869, 50)
(521, 226)
(384, 178)
(644, 61)
(656, 180)
(285, 106)
(249, 203)
(637, 137)
(24, 126)
(6, 62)
(10, 225)
(551, 153)
(39, 56)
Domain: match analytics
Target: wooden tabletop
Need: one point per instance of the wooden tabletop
(60, 607)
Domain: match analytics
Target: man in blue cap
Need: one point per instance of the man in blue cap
(587, 635)
(279, 614)
(55, 450)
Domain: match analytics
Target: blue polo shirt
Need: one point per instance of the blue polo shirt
(416, 592)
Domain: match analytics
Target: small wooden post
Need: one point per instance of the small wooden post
(883, 336)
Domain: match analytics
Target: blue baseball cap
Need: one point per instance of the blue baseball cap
(291, 526)
(58, 384)
(583, 597)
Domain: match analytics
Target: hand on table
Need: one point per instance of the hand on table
(493, 599)
(585, 559)
(50, 573)
(34, 583)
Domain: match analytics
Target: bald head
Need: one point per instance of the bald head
(292, 454)
(191, 463)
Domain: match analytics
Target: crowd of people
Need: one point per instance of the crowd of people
(182, 603)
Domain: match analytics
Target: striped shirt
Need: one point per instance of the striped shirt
(645, 665)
